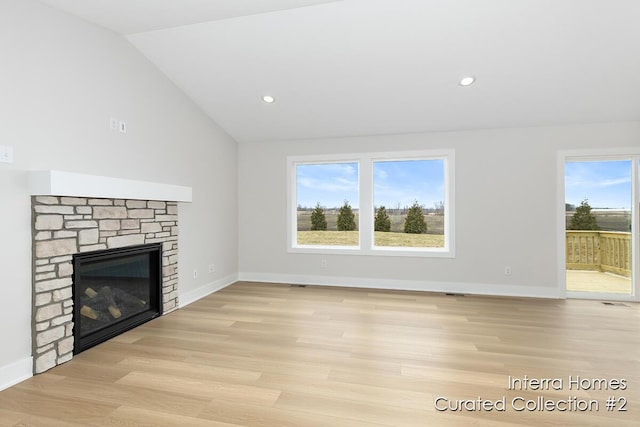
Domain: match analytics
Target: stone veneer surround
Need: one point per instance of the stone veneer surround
(64, 226)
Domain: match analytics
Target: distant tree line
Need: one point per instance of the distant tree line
(437, 209)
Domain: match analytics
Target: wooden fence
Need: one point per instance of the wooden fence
(608, 251)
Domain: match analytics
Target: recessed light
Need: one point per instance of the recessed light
(268, 99)
(467, 81)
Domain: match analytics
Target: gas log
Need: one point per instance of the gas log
(96, 305)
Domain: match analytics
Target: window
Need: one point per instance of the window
(326, 193)
(372, 204)
(409, 203)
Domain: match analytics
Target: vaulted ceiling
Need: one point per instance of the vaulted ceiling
(365, 67)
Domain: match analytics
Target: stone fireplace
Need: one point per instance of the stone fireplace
(64, 225)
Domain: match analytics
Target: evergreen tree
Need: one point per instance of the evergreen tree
(583, 219)
(382, 220)
(318, 220)
(414, 222)
(346, 218)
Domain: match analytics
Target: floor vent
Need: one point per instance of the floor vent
(619, 304)
(449, 294)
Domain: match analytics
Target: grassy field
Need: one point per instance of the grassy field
(610, 221)
(397, 238)
(409, 240)
(350, 238)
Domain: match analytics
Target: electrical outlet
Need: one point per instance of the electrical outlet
(122, 126)
(323, 263)
(507, 271)
(113, 123)
(195, 274)
(212, 268)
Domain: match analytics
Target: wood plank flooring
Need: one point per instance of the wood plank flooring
(257, 354)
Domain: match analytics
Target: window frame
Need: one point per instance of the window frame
(365, 163)
(292, 214)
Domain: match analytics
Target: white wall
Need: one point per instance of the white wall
(60, 81)
(506, 211)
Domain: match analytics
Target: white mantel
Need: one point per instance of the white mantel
(59, 183)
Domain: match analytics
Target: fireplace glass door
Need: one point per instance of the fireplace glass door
(114, 291)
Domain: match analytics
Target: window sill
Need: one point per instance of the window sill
(376, 251)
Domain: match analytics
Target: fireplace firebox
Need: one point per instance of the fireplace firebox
(115, 290)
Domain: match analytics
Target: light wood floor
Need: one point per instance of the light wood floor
(278, 355)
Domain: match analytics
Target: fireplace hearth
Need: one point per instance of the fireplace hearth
(113, 291)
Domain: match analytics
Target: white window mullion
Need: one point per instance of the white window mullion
(366, 204)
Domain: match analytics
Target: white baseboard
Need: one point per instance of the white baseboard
(408, 285)
(16, 372)
(201, 292)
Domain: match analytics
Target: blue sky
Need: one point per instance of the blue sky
(395, 182)
(404, 182)
(328, 184)
(606, 184)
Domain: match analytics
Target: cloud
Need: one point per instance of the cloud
(598, 174)
(579, 181)
(604, 184)
(349, 169)
(381, 175)
(335, 185)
